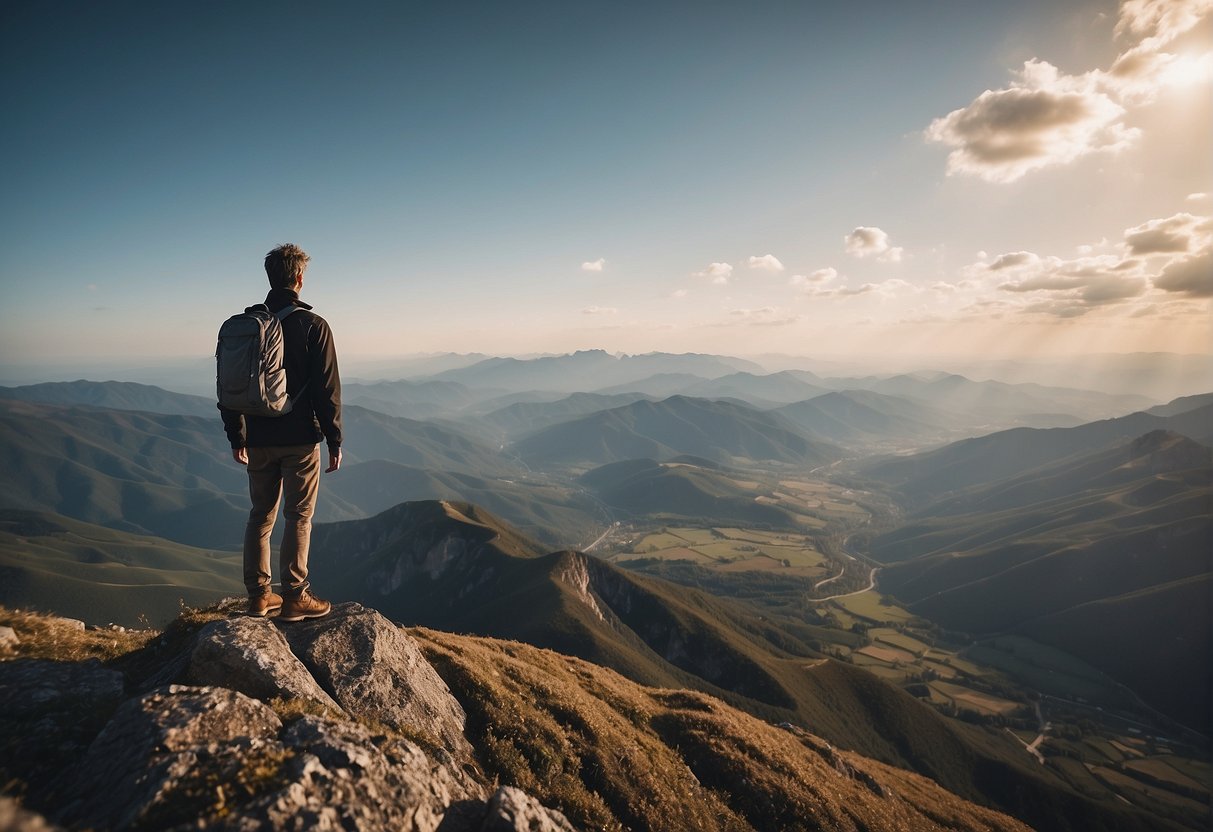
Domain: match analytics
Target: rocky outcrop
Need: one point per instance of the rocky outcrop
(573, 571)
(252, 656)
(211, 753)
(513, 810)
(161, 746)
(335, 723)
(373, 670)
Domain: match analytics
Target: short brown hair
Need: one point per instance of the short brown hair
(283, 264)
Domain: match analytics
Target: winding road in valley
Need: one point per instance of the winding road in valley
(871, 585)
(831, 580)
(846, 554)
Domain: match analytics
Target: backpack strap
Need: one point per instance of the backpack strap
(282, 314)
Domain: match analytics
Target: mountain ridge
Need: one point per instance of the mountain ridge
(390, 749)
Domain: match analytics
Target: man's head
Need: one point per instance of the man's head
(284, 266)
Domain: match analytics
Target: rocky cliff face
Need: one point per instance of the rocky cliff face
(337, 723)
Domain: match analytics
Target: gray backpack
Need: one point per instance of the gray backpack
(249, 374)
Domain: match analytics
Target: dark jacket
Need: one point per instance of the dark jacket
(310, 357)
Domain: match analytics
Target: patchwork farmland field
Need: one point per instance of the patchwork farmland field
(733, 549)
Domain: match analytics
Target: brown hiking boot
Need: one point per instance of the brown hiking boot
(304, 605)
(263, 605)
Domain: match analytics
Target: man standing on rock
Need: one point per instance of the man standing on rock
(282, 453)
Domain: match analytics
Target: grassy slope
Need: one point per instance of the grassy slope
(611, 753)
(99, 575)
(1156, 641)
(1093, 530)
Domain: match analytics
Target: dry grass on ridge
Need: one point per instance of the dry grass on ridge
(613, 754)
(59, 639)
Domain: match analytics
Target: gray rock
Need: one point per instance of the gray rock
(373, 669)
(513, 810)
(251, 656)
(70, 623)
(32, 686)
(159, 747)
(8, 639)
(342, 777)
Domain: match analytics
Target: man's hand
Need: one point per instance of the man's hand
(334, 461)
(240, 455)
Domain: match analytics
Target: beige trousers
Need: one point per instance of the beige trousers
(289, 474)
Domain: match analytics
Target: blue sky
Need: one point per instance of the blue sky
(515, 178)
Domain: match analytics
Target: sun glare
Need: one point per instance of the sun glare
(1188, 70)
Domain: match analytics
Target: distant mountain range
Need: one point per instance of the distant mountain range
(716, 430)
(499, 400)
(997, 400)
(862, 419)
(570, 373)
(116, 395)
(926, 477)
(172, 476)
(410, 399)
(144, 473)
(521, 418)
(762, 389)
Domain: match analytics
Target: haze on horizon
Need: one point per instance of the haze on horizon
(956, 181)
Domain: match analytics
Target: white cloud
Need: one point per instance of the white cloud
(594, 265)
(763, 312)
(1176, 233)
(814, 278)
(866, 241)
(1199, 196)
(599, 310)
(1012, 260)
(678, 294)
(885, 288)
(1189, 276)
(762, 316)
(1069, 288)
(1172, 254)
(767, 262)
(719, 273)
(1158, 22)
(848, 291)
(1045, 117)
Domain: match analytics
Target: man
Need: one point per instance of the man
(282, 453)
